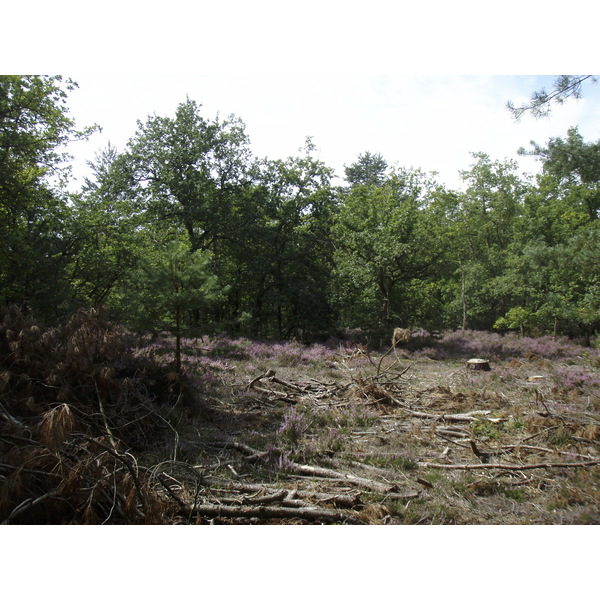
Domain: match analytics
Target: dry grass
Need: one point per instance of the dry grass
(93, 432)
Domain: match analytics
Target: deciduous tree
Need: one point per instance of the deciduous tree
(34, 127)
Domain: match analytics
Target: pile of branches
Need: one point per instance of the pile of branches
(74, 406)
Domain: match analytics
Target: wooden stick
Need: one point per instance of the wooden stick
(340, 500)
(280, 395)
(348, 477)
(276, 497)
(305, 513)
(251, 452)
(26, 504)
(457, 417)
(428, 465)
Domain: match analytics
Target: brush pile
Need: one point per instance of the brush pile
(74, 405)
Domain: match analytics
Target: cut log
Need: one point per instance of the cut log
(478, 364)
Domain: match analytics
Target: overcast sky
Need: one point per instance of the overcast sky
(356, 77)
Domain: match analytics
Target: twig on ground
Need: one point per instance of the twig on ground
(348, 477)
(428, 465)
(451, 417)
(26, 505)
(305, 513)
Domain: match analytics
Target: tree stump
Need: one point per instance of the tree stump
(478, 364)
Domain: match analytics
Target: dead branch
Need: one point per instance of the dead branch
(457, 417)
(484, 457)
(267, 499)
(452, 432)
(425, 483)
(547, 450)
(286, 384)
(428, 465)
(27, 504)
(284, 396)
(269, 373)
(169, 491)
(231, 444)
(305, 513)
(125, 460)
(348, 477)
(340, 500)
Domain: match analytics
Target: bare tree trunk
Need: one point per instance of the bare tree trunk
(463, 293)
(178, 339)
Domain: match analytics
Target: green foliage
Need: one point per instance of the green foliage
(175, 282)
(383, 243)
(108, 233)
(540, 105)
(295, 256)
(188, 170)
(516, 318)
(486, 429)
(34, 212)
(369, 169)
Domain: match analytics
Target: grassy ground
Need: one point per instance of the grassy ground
(404, 438)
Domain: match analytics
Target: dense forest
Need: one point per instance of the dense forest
(185, 230)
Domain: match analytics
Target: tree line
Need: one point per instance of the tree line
(186, 230)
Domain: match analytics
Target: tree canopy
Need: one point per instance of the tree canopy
(186, 230)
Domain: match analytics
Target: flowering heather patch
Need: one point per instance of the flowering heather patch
(544, 346)
(494, 345)
(433, 353)
(288, 354)
(576, 378)
(292, 429)
(332, 441)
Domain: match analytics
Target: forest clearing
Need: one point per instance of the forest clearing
(97, 429)
(439, 356)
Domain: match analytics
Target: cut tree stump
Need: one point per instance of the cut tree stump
(478, 364)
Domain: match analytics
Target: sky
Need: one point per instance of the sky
(428, 122)
(423, 85)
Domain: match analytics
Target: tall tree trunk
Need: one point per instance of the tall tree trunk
(463, 293)
(178, 339)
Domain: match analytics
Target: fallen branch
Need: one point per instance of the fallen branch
(251, 452)
(457, 417)
(269, 373)
(452, 432)
(127, 463)
(279, 395)
(305, 513)
(268, 499)
(428, 465)
(339, 500)
(548, 450)
(169, 491)
(27, 504)
(348, 477)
